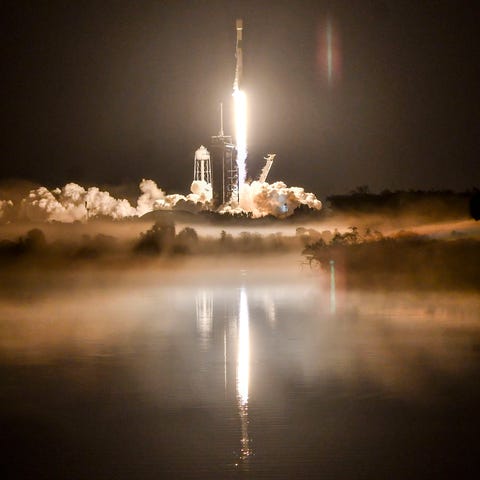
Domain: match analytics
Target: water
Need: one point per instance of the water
(240, 371)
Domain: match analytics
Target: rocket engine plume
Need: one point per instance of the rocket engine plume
(240, 108)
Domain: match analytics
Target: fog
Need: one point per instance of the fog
(216, 350)
(55, 315)
(201, 366)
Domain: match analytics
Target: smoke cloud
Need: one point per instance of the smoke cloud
(154, 198)
(73, 202)
(275, 199)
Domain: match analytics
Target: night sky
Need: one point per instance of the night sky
(110, 92)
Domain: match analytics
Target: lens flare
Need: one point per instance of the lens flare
(329, 55)
(240, 107)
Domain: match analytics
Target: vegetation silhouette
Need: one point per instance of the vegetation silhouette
(406, 261)
(434, 204)
(474, 205)
(157, 239)
(33, 242)
(366, 254)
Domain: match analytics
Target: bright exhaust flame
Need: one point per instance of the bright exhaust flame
(240, 106)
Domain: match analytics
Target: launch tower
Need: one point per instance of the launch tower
(224, 167)
(224, 171)
(219, 167)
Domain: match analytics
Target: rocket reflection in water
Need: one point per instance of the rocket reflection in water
(204, 309)
(243, 371)
(238, 326)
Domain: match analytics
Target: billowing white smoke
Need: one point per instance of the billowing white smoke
(71, 203)
(100, 203)
(151, 197)
(275, 199)
(42, 205)
(75, 203)
(154, 198)
(201, 192)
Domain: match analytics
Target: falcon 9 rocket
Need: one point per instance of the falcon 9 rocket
(238, 55)
(240, 107)
(229, 158)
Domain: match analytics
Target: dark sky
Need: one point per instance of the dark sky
(108, 92)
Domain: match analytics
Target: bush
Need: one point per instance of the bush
(158, 239)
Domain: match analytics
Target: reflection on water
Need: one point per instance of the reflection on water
(241, 318)
(204, 310)
(207, 377)
(269, 306)
(243, 371)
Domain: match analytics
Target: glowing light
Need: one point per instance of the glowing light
(243, 373)
(243, 359)
(240, 107)
(269, 305)
(329, 51)
(204, 309)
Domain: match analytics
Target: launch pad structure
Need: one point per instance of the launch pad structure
(219, 166)
(224, 171)
(225, 186)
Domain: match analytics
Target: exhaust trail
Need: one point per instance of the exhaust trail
(240, 105)
(240, 109)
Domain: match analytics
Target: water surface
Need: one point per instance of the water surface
(235, 371)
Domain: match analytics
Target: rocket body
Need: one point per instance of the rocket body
(239, 55)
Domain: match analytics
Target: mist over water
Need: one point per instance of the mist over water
(235, 370)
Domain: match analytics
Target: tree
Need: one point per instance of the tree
(156, 240)
(186, 241)
(35, 240)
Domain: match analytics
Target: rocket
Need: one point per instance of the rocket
(239, 55)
